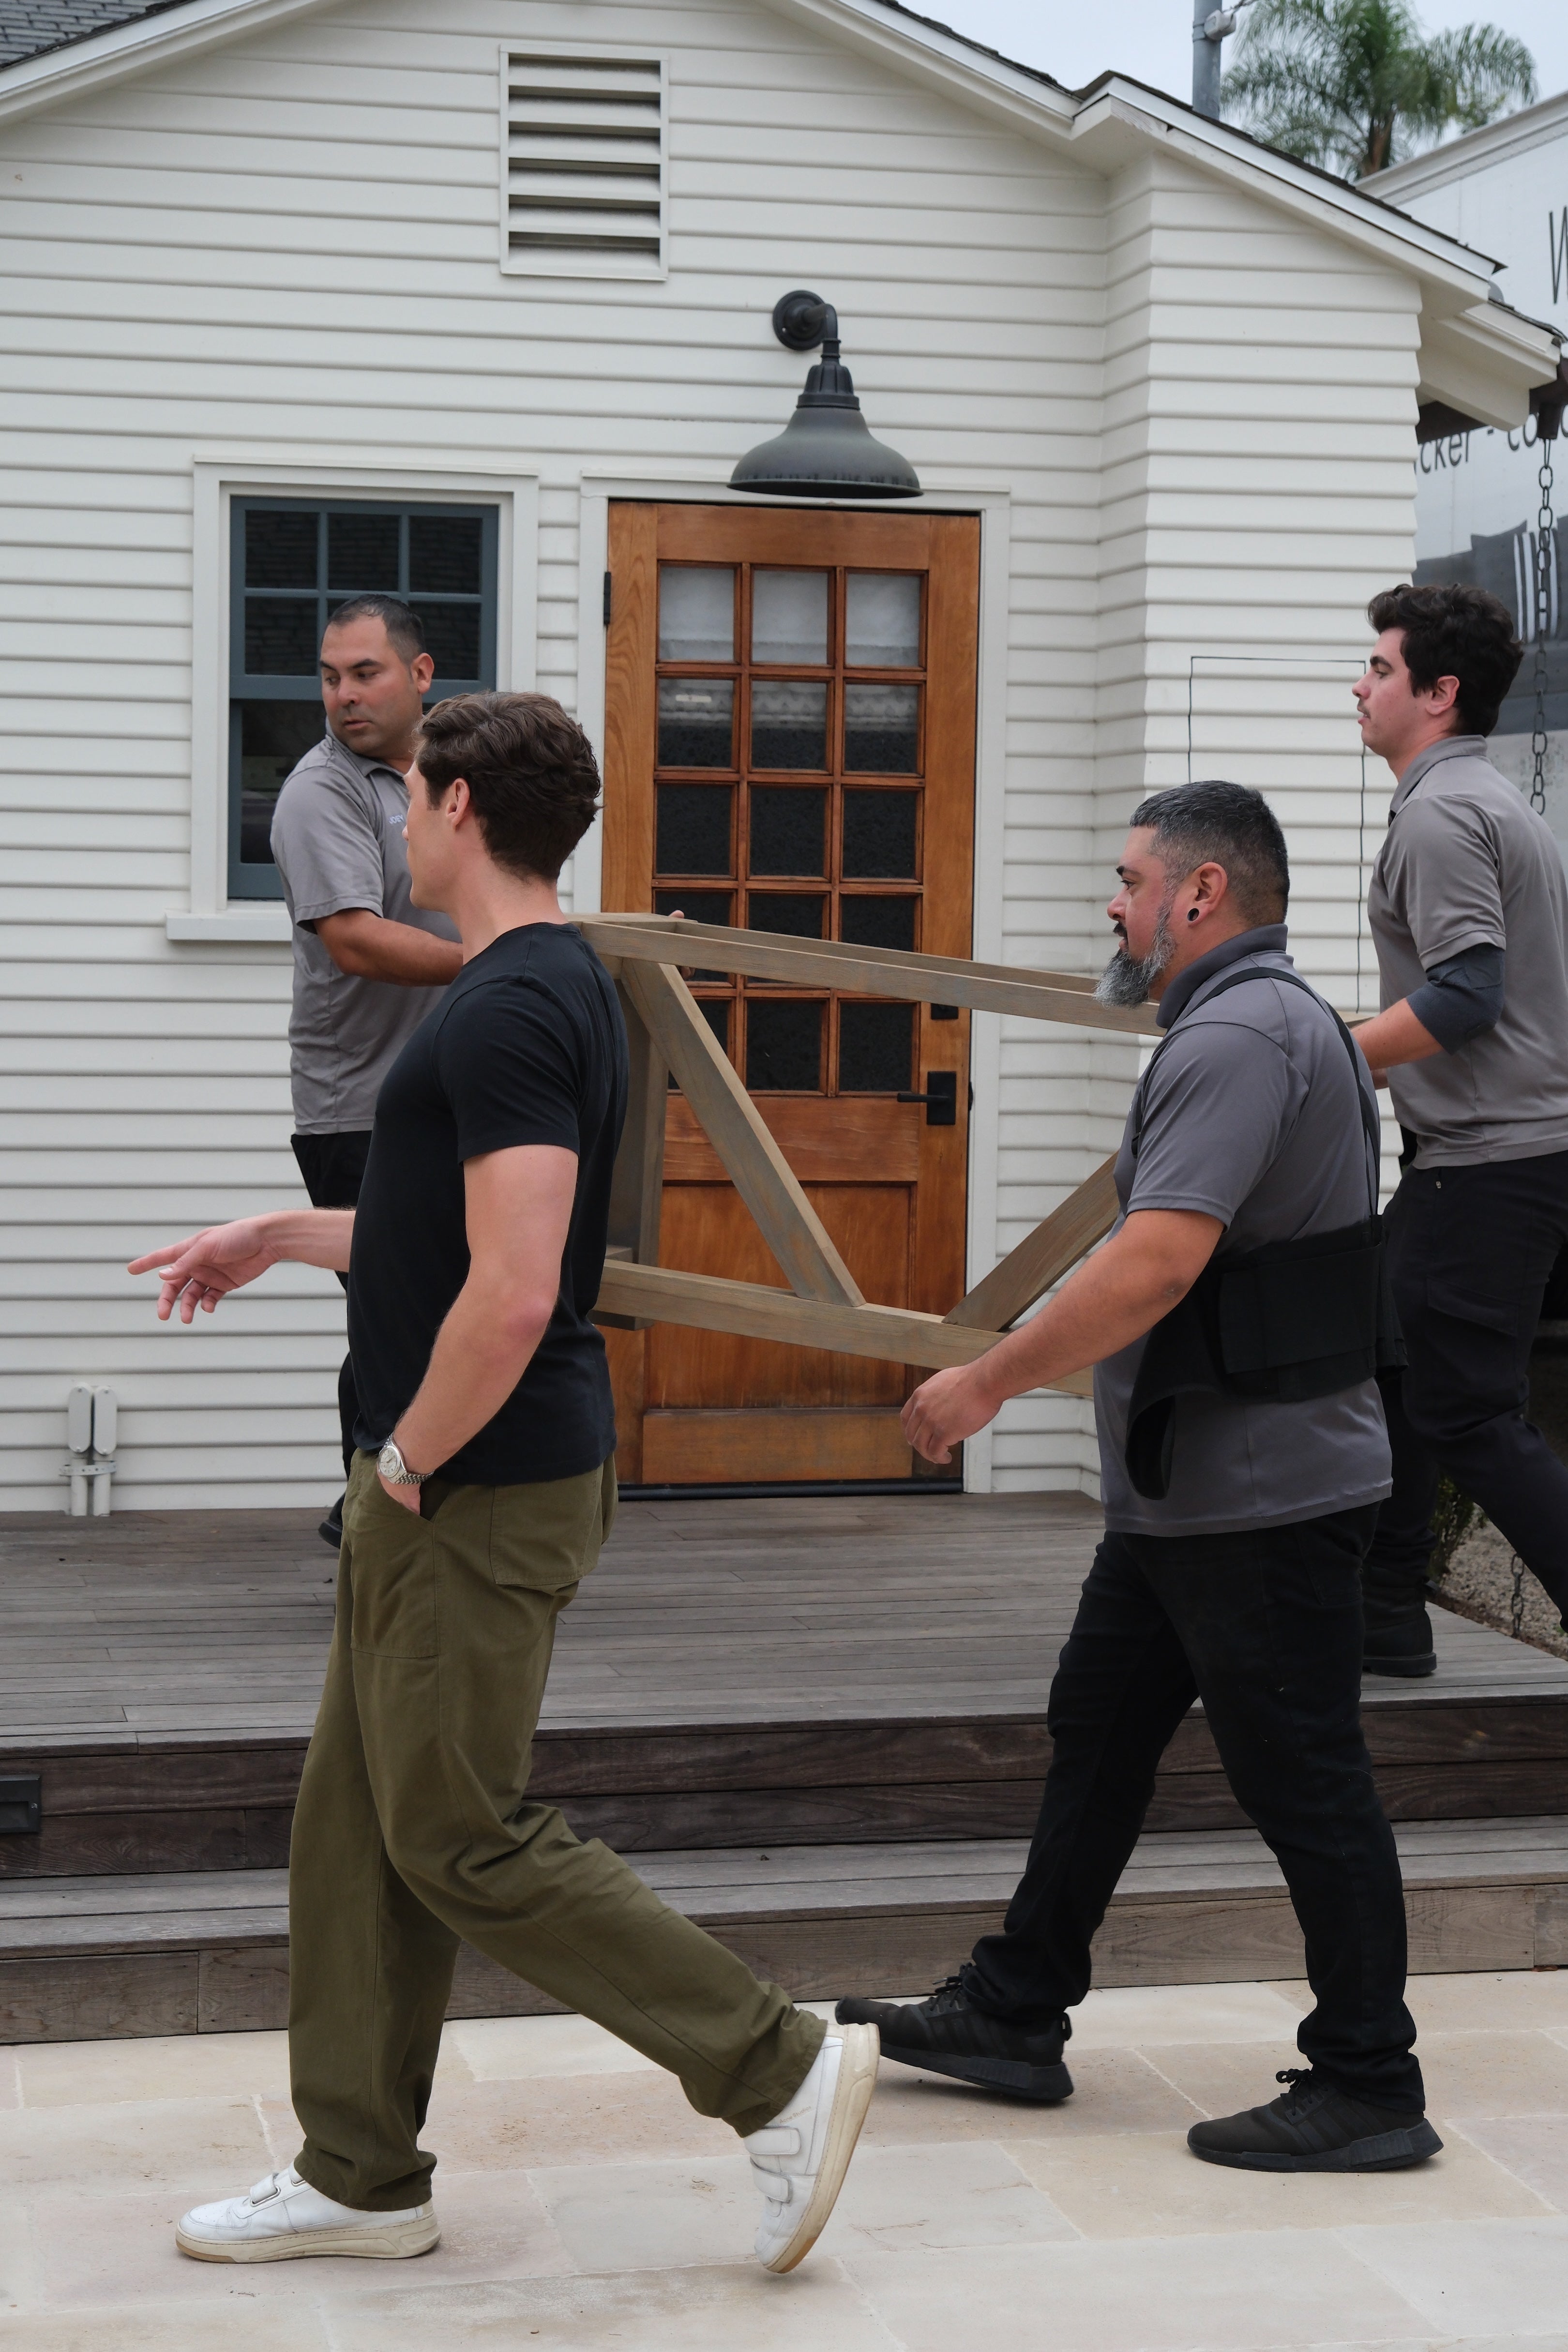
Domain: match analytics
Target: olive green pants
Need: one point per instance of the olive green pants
(413, 1831)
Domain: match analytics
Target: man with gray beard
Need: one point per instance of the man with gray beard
(1235, 1319)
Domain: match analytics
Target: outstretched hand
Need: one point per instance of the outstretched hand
(204, 1267)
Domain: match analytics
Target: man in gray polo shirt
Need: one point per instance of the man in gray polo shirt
(368, 963)
(1468, 910)
(1243, 1460)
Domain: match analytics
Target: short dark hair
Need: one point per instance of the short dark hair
(1454, 630)
(529, 767)
(1231, 826)
(404, 629)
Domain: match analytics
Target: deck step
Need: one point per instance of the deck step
(162, 1804)
(804, 1672)
(194, 1952)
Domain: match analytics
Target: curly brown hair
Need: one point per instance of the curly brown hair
(1454, 630)
(529, 768)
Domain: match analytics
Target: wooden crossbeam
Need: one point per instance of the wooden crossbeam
(824, 1306)
(708, 1302)
(863, 971)
(1042, 1258)
(756, 1167)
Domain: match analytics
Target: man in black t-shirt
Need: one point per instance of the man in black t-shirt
(482, 1491)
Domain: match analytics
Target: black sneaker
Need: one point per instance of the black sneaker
(1312, 2127)
(332, 1528)
(947, 2035)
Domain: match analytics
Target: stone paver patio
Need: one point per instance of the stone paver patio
(584, 2206)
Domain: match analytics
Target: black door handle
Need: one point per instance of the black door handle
(941, 1099)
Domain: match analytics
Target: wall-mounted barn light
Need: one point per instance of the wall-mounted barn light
(826, 450)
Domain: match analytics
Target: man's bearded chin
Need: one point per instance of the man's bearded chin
(1127, 980)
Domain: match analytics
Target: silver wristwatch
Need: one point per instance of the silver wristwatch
(394, 1470)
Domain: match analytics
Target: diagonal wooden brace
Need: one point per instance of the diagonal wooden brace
(756, 1167)
(1042, 1258)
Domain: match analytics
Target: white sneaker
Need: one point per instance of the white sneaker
(283, 2217)
(799, 2158)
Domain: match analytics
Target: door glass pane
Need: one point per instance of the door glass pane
(697, 907)
(789, 616)
(693, 829)
(875, 1048)
(279, 550)
(715, 1011)
(796, 912)
(882, 620)
(789, 723)
(445, 554)
(880, 836)
(451, 637)
(877, 922)
(696, 612)
(696, 722)
(882, 729)
(784, 1046)
(274, 737)
(789, 830)
(361, 553)
(280, 637)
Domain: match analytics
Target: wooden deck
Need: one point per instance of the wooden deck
(804, 1672)
(153, 1625)
(816, 1724)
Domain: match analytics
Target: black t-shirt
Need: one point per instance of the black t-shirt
(526, 1046)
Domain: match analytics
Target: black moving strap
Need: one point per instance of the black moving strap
(1286, 1323)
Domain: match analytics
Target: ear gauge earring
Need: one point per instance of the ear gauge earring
(1192, 914)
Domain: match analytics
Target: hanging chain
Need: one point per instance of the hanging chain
(1515, 1601)
(1545, 562)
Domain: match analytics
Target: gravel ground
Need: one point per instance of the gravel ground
(1480, 1575)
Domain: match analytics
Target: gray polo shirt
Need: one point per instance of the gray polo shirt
(1249, 1115)
(337, 837)
(1466, 863)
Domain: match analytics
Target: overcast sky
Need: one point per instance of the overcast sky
(1074, 40)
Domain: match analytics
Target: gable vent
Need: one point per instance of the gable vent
(583, 179)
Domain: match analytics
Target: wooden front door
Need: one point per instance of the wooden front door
(789, 745)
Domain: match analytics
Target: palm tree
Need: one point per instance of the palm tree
(1354, 85)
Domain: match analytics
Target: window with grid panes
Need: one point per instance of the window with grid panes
(788, 798)
(293, 561)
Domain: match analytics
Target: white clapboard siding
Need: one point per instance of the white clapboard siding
(1201, 408)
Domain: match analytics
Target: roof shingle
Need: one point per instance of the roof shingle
(27, 27)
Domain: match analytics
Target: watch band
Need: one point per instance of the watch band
(395, 1470)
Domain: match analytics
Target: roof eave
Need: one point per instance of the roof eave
(1512, 134)
(72, 68)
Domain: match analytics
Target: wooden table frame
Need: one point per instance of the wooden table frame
(823, 1306)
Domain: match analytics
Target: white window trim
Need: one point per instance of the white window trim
(993, 502)
(219, 477)
(514, 264)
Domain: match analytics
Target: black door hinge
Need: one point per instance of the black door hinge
(21, 1804)
(606, 600)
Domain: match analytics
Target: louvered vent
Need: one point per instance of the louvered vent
(585, 161)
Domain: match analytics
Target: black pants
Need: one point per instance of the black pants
(1470, 1252)
(333, 1169)
(1266, 1627)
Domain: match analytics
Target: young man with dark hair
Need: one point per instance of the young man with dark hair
(368, 962)
(1243, 1460)
(1468, 910)
(482, 1489)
